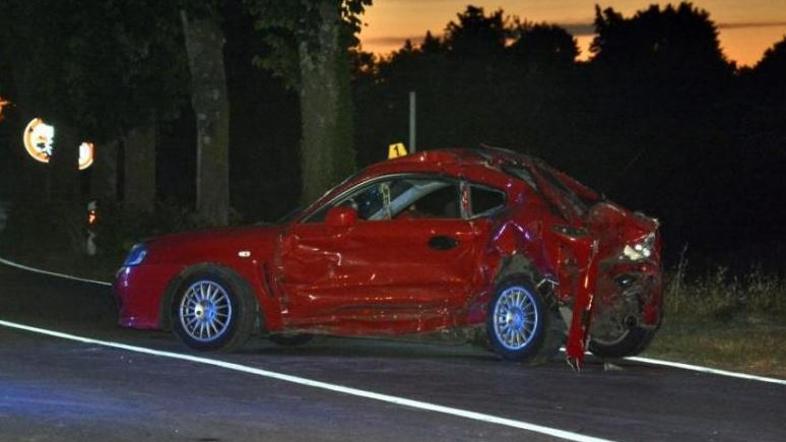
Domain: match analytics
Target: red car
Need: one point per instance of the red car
(487, 240)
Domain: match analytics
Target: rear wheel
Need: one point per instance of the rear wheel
(213, 310)
(630, 342)
(521, 326)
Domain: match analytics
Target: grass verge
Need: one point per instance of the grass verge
(751, 345)
(733, 322)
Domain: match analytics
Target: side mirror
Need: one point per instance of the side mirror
(341, 216)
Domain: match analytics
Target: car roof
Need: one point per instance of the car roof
(452, 161)
(445, 158)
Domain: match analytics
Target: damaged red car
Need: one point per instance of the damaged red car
(485, 240)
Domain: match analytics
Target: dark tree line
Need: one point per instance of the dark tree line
(658, 119)
(136, 76)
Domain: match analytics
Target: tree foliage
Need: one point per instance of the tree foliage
(681, 36)
(771, 69)
(285, 25)
(309, 43)
(477, 35)
(543, 44)
(104, 67)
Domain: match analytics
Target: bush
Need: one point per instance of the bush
(118, 230)
(39, 234)
(719, 295)
(37, 226)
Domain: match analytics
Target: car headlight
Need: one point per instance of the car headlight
(641, 249)
(135, 256)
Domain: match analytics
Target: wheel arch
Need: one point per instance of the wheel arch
(176, 283)
(520, 265)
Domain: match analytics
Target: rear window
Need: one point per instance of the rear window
(485, 201)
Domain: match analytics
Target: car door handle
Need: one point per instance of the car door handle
(441, 242)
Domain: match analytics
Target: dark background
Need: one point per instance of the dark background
(658, 120)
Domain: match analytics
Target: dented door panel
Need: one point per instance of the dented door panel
(406, 270)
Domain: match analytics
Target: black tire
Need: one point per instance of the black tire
(506, 323)
(223, 322)
(291, 340)
(632, 342)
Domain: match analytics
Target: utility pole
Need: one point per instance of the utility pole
(412, 140)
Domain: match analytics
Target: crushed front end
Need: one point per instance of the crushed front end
(617, 306)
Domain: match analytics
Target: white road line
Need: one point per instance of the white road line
(46, 272)
(709, 370)
(651, 361)
(420, 405)
(699, 368)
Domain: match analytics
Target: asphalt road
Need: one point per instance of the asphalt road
(53, 389)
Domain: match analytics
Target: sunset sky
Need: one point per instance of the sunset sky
(746, 28)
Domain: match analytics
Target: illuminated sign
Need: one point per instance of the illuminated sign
(86, 155)
(39, 140)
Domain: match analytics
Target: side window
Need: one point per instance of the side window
(431, 199)
(485, 201)
(368, 200)
(401, 197)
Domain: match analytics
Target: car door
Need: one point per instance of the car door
(410, 259)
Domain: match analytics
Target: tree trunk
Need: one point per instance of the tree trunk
(204, 45)
(33, 178)
(327, 153)
(65, 202)
(103, 182)
(64, 164)
(49, 215)
(140, 169)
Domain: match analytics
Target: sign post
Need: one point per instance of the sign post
(412, 128)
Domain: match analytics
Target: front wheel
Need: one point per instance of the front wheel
(213, 310)
(521, 326)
